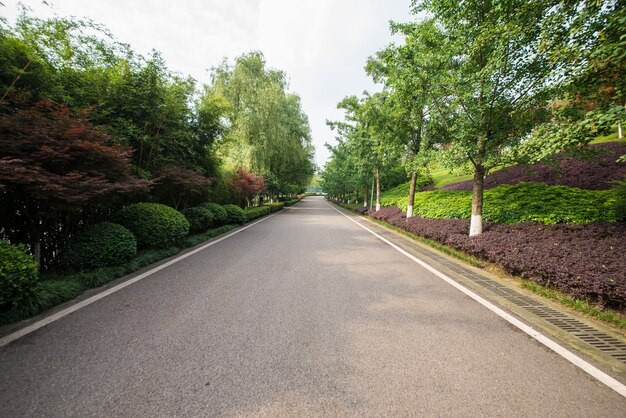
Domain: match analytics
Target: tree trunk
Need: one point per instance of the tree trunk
(620, 134)
(377, 187)
(365, 198)
(409, 209)
(37, 252)
(476, 224)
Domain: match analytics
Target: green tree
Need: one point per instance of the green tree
(492, 87)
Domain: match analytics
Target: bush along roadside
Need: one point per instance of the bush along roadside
(585, 261)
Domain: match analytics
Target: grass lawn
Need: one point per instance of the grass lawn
(444, 176)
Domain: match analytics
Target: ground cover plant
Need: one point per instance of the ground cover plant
(596, 172)
(584, 261)
(510, 204)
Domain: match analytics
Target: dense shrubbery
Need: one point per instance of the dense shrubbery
(291, 202)
(199, 218)
(234, 214)
(18, 275)
(586, 261)
(512, 204)
(154, 225)
(253, 213)
(596, 173)
(218, 212)
(99, 245)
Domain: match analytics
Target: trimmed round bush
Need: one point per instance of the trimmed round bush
(154, 225)
(19, 279)
(235, 215)
(219, 213)
(103, 244)
(200, 218)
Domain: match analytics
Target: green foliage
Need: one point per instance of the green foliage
(200, 218)
(48, 294)
(218, 213)
(18, 275)
(620, 199)
(234, 214)
(253, 213)
(523, 202)
(268, 131)
(103, 244)
(154, 225)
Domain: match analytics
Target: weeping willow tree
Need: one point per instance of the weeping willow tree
(268, 133)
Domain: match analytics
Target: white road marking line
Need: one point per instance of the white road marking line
(560, 350)
(52, 318)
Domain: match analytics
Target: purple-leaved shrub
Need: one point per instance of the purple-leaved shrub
(583, 260)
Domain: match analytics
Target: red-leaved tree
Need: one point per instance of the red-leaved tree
(57, 172)
(246, 185)
(180, 187)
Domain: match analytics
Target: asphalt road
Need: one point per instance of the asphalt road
(303, 314)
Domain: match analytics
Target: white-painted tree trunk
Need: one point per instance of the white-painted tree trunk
(409, 211)
(476, 225)
(620, 134)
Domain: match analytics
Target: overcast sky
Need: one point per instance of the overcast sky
(322, 45)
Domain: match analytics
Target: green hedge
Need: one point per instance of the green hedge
(200, 218)
(219, 214)
(234, 214)
(291, 202)
(103, 244)
(154, 225)
(253, 213)
(510, 204)
(19, 279)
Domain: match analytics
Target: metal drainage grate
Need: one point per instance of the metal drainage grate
(591, 335)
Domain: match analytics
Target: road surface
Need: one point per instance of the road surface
(302, 314)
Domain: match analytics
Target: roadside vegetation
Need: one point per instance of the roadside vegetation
(110, 161)
(508, 125)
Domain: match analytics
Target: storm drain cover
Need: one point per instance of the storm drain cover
(591, 335)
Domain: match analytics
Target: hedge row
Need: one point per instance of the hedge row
(586, 261)
(511, 204)
(254, 213)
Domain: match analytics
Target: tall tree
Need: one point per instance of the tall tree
(493, 86)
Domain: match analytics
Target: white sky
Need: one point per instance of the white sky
(322, 45)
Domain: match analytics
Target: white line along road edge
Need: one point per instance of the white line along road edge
(560, 350)
(42, 323)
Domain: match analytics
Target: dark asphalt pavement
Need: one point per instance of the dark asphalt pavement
(303, 314)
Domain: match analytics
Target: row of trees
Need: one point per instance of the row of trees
(87, 126)
(481, 84)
